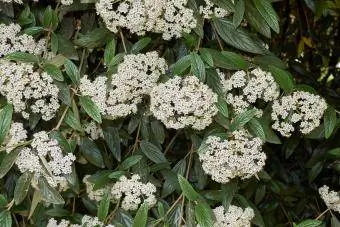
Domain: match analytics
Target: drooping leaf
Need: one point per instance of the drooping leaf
(242, 119)
(140, 219)
(140, 45)
(282, 77)
(48, 193)
(5, 121)
(8, 161)
(152, 152)
(54, 72)
(197, 66)
(90, 108)
(104, 206)
(204, 214)
(22, 186)
(187, 190)
(268, 13)
(72, 71)
(91, 152)
(111, 136)
(329, 121)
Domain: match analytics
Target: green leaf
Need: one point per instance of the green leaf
(197, 66)
(334, 152)
(282, 77)
(5, 121)
(8, 161)
(110, 51)
(33, 30)
(329, 121)
(111, 136)
(158, 131)
(63, 143)
(222, 106)
(206, 57)
(223, 61)
(72, 121)
(22, 57)
(204, 215)
(256, 21)
(228, 192)
(91, 152)
(22, 186)
(315, 171)
(140, 45)
(47, 17)
(116, 174)
(90, 108)
(95, 38)
(242, 119)
(257, 220)
(48, 193)
(103, 208)
(256, 129)
(54, 72)
(54, 43)
(238, 37)
(5, 219)
(72, 71)
(309, 223)
(268, 13)
(141, 217)
(235, 59)
(130, 161)
(181, 65)
(239, 12)
(334, 221)
(152, 152)
(187, 190)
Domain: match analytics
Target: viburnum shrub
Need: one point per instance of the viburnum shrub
(160, 113)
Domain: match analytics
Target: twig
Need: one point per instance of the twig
(322, 214)
(123, 40)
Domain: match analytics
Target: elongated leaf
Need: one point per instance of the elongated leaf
(181, 65)
(242, 119)
(130, 161)
(204, 215)
(5, 219)
(152, 152)
(33, 30)
(238, 38)
(95, 38)
(54, 72)
(223, 61)
(222, 106)
(256, 129)
(49, 194)
(8, 161)
(111, 136)
(91, 152)
(90, 108)
(103, 208)
(228, 192)
(140, 45)
(197, 66)
(309, 223)
(206, 56)
(5, 121)
(256, 21)
(329, 121)
(239, 12)
(72, 121)
(282, 77)
(258, 219)
(315, 171)
(141, 217)
(22, 57)
(110, 51)
(187, 190)
(235, 59)
(268, 13)
(72, 71)
(22, 187)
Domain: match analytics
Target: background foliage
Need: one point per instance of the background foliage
(303, 52)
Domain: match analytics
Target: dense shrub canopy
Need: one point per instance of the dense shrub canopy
(169, 113)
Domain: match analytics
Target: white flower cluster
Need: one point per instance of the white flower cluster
(302, 108)
(235, 217)
(11, 41)
(135, 78)
(9, 1)
(133, 191)
(331, 198)
(86, 221)
(169, 17)
(28, 90)
(183, 102)
(96, 195)
(226, 159)
(66, 2)
(16, 135)
(210, 9)
(250, 87)
(94, 130)
(48, 150)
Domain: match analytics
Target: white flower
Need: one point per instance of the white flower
(96, 195)
(249, 88)
(183, 102)
(11, 41)
(234, 217)
(134, 79)
(47, 151)
(210, 9)
(331, 198)
(133, 192)
(67, 2)
(224, 160)
(54, 223)
(300, 108)
(9, 1)
(94, 130)
(169, 17)
(86, 221)
(28, 90)
(16, 135)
